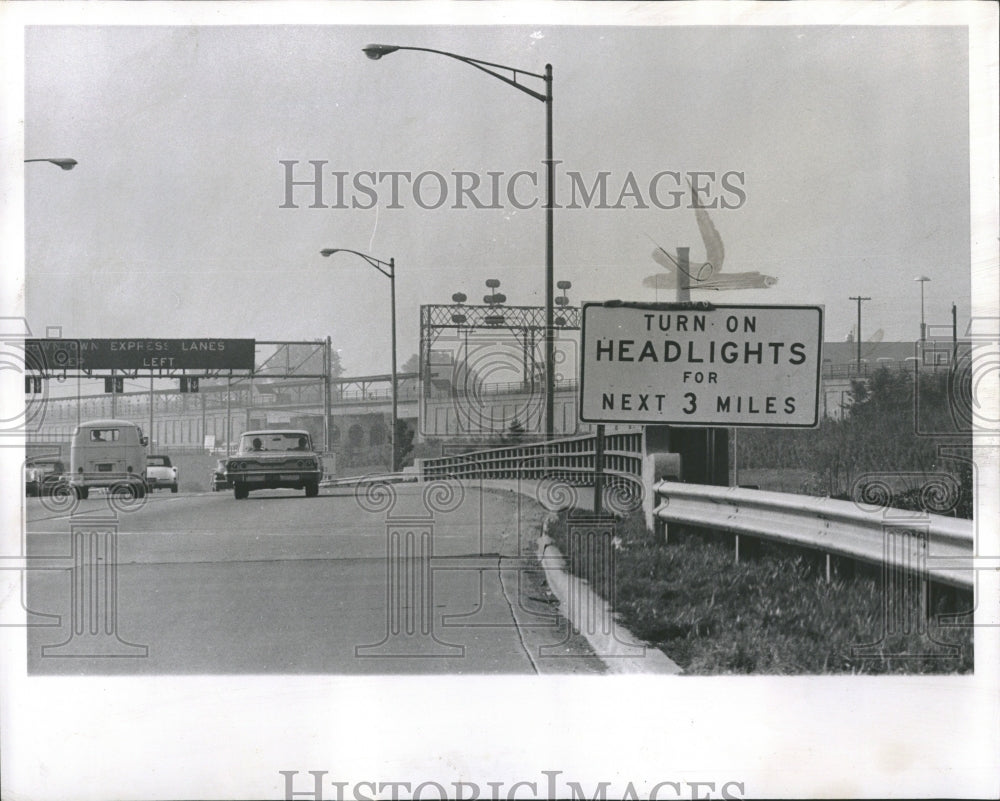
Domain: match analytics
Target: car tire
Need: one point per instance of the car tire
(125, 490)
(240, 491)
(312, 489)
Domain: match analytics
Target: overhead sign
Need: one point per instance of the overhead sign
(698, 364)
(46, 355)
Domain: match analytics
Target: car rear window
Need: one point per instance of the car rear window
(158, 461)
(275, 441)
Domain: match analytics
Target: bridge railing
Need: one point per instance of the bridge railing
(904, 541)
(570, 460)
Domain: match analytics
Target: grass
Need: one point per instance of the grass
(778, 479)
(773, 613)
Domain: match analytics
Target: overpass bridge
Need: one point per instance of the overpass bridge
(360, 410)
(360, 413)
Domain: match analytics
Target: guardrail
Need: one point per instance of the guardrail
(368, 479)
(570, 460)
(911, 542)
(907, 541)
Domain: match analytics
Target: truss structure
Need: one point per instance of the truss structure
(525, 324)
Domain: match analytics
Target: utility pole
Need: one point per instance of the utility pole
(229, 412)
(954, 334)
(327, 369)
(151, 402)
(859, 299)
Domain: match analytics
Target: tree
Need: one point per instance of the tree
(336, 367)
(411, 365)
(403, 441)
(515, 431)
(882, 431)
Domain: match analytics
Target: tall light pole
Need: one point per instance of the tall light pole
(66, 164)
(388, 269)
(376, 51)
(859, 298)
(459, 318)
(922, 279)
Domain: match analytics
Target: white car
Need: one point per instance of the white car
(160, 473)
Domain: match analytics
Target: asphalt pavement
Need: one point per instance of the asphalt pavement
(396, 579)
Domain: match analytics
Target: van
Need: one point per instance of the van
(110, 454)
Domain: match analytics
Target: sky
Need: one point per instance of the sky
(848, 148)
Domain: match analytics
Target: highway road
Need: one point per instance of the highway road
(406, 579)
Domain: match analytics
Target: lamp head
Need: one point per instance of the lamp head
(921, 278)
(376, 51)
(329, 251)
(66, 164)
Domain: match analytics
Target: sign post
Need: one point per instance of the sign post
(599, 471)
(696, 364)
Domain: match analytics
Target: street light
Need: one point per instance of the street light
(388, 269)
(376, 51)
(66, 164)
(562, 300)
(459, 298)
(923, 279)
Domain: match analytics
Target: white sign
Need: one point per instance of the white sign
(701, 365)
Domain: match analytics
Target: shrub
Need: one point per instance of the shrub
(774, 613)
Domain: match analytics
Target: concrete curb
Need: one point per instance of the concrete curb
(615, 645)
(620, 650)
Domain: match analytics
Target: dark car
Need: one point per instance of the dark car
(275, 459)
(219, 480)
(42, 475)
